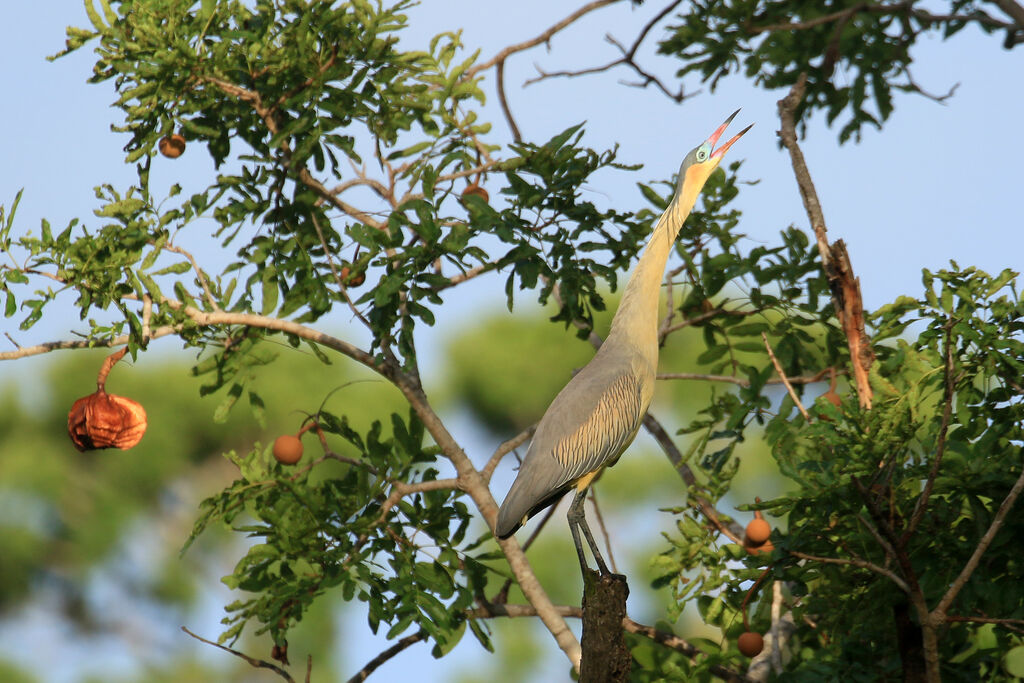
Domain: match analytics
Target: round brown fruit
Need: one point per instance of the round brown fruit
(750, 644)
(172, 146)
(758, 531)
(476, 190)
(287, 449)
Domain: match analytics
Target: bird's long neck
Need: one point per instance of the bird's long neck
(636, 321)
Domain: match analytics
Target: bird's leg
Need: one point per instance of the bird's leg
(578, 520)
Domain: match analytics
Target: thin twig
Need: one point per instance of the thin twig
(200, 275)
(253, 661)
(387, 654)
(503, 100)
(504, 449)
(628, 58)
(337, 274)
(741, 381)
(604, 531)
(400, 489)
(542, 38)
(863, 564)
(502, 595)
(703, 317)
(905, 7)
(785, 380)
(940, 446)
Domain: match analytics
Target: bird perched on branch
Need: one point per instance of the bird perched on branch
(596, 416)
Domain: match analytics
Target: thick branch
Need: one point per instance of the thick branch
(46, 347)
(669, 640)
(731, 529)
(846, 297)
(474, 484)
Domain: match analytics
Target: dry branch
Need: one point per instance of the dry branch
(845, 287)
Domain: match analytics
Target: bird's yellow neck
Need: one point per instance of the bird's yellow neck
(635, 325)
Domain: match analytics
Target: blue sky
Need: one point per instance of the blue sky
(940, 182)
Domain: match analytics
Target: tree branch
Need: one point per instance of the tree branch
(782, 375)
(940, 446)
(628, 58)
(253, 661)
(542, 38)
(732, 530)
(845, 288)
(504, 449)
(387, 654)
(669, 640)
(46, 347)
(741, 381)
(939, 613)
(863, 564)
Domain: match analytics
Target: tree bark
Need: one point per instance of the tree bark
(910, 643)
(606, 659)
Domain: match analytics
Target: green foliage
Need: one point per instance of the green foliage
(861, 471)
(854, 54)
(331, 525)
(289, 97)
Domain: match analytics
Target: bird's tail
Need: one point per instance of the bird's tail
(512, 512)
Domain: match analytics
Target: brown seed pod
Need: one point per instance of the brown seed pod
(350, 279)
(758, 531)
(750, 644)
(102, 420)
(475, 189)
(288, 449)
(280, 653)
(172, 146)
(832, 397)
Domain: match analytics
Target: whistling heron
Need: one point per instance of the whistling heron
(597, 415)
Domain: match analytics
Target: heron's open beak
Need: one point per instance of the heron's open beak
(718, 133)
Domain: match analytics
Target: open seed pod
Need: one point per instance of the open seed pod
(102, 420)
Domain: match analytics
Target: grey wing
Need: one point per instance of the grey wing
(588, 425)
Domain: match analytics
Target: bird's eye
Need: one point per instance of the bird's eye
(702, 154)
